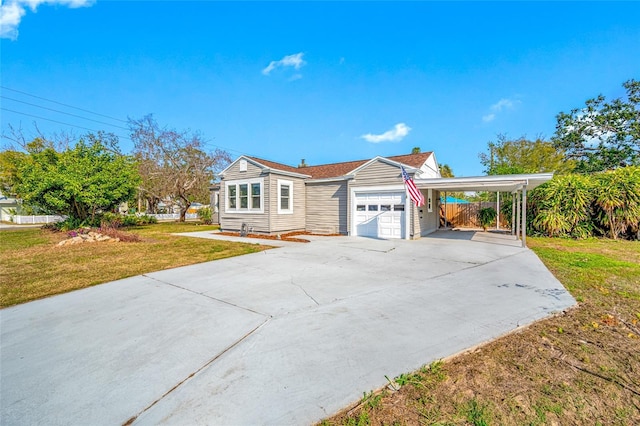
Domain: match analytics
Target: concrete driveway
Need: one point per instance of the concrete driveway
(285, 336)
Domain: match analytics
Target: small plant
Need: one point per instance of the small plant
(371, 400)
(487, 216)
(476, 413)
(205, 215)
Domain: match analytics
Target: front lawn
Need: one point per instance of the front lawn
(32, 266)
(581, 367)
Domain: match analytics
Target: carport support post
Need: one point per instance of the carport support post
(513, 213)
(524, 216)
(498, 210)
(517, 195)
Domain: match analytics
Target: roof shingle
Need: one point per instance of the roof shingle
(326, 171)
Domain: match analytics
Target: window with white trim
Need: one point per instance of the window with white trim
(245, 196)
(285, 196)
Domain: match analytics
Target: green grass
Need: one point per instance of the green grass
(32, 266)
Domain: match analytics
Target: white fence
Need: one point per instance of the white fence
(173, 216)
(32, 220)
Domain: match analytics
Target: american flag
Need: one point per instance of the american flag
(414, 192)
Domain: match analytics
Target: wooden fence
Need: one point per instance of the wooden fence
(465, 215)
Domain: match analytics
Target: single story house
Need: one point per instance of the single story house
(357, 198)
(364, 198)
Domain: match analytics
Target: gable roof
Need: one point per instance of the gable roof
(333, 170)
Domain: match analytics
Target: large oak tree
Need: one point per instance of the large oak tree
(602, 135)
(174, 165)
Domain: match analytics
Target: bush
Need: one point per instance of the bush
(583, 206)
(114, 220)
(487, 216)
(146, 220)
(205, 215)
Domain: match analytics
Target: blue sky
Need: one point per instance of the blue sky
(324, 81)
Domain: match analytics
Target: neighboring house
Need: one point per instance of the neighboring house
(364, 198)
(9, 207)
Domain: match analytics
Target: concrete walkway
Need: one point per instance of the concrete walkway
(284, 336)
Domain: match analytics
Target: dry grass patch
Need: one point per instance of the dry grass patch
(581, 367)
(32, 266)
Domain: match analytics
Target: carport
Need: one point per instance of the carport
(514, 184)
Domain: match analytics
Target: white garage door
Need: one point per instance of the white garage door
(379, 214)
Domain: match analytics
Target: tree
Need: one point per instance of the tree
(416, 150)
(517, 156)
(445, 171)
(80, 181)
(602, 135)
(9, 162)
(173, 165)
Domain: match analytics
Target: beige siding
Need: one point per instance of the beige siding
(378, 173)
(232, 221)
(287, 222)
(327, 207)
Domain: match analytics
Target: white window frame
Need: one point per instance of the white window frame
(281, 183)
(236, 184)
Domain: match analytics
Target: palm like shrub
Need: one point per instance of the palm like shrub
(564, 206)
(617, 195)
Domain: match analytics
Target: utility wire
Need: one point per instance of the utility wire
(60, 103)
(62, 112)
(56, 121)
(78, 116)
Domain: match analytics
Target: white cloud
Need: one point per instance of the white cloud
(503, 104)
(294, 61)
(396, 134)
(12, 11)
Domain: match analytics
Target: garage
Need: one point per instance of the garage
(379, 214)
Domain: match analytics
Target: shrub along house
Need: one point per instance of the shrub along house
(364, 198)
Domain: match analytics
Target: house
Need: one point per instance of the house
(9, 207)
(363, 198)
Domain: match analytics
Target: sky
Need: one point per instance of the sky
(323, 81)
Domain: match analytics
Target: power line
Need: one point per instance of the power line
(56, 121)
(78, 116)
(63, 104)
(62, 112)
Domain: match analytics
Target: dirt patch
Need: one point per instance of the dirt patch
(290, 236)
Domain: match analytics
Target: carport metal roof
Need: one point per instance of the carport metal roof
(497, 183)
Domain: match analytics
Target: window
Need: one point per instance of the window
(360, 207)
(385, 208)
(255, 195)
(398, 207)
(285, 196)
(372, 208)
(245, 196)
(231, 190)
